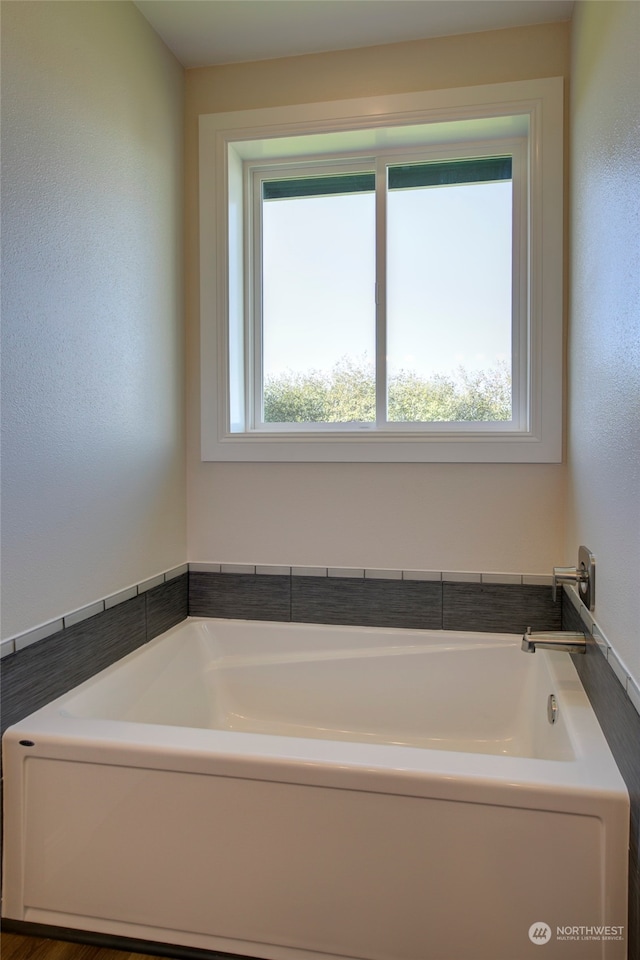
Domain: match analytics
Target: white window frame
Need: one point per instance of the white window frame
(256, 172)
(228, 145)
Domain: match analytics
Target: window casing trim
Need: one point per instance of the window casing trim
(228, 139)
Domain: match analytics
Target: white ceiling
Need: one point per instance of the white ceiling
(205, 32)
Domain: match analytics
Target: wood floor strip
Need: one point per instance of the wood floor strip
(18, 947)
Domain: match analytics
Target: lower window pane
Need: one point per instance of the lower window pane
(318, 311)
(449, 303)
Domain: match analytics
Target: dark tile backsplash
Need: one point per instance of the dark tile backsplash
(384, 603)
(47, 669)
(416, 604)
(167, 604)
(499, 608)
(239, 595)
(620, 724)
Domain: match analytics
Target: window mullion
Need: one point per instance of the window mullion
(381, 292)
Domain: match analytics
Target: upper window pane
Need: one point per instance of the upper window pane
(449, 291)
(318, 302)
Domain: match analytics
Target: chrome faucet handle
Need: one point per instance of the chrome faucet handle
(564, 575)
(584, 576)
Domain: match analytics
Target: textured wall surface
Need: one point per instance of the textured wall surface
(603, 498)
(506, 517)
(93, 452)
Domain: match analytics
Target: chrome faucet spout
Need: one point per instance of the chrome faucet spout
(564, 640)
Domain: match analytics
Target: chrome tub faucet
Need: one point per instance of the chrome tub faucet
(564, 640)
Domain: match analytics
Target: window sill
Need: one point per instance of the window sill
(468, 448)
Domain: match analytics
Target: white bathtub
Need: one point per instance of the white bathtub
(301, 792)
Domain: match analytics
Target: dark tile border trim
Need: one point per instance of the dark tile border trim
(414, 603)
(620, 723)
(497, 608)
(22, 640)
(377, 603)
(240, 596)
(42, 671)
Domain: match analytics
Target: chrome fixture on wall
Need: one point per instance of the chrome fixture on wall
(584, 575)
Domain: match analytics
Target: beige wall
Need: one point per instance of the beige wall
(426, 516)
(93, 448)
(604, 333)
